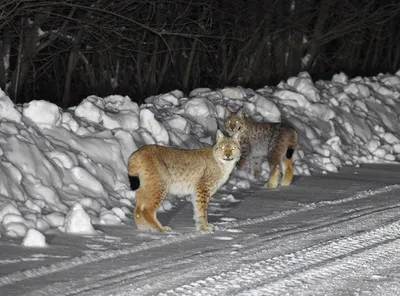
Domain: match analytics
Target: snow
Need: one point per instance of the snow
(34, 238)
(78, 221)
(63, 172)
(43, 114)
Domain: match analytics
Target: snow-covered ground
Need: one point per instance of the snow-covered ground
(66, 209)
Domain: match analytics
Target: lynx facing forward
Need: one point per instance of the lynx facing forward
(163, 170)
(275, 141)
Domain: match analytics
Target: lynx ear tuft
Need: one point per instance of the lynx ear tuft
(220, 136)
(227, 113)
(240, 113)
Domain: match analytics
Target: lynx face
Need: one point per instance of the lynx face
(234, 123)
(227, 149)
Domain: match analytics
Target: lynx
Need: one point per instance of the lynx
(274, 141)
(200, 173)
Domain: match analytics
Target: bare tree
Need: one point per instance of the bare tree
(65, 50)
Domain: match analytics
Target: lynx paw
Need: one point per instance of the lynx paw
(286, 183)
(154, 229)
(271, 185)
(165, 229)
(205, 227)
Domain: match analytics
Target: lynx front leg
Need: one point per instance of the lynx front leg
(256, 163)
(200, 206)
(242, 163)
(243, 160)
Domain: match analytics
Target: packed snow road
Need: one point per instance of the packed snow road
(335, 234)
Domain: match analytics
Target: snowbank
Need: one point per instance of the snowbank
(66, 170)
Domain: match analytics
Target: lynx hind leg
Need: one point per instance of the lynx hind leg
(137, 212)
(274, 160)
(287, 169)
(287, 160)
(148, 198)
(200, 208)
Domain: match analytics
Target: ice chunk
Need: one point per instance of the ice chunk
(380, 152)
(390, 138)
(78, 221)
(116, 103)
(293, 99)
(109, 218)
(157, 130)
(341, 78)
(119, 212)
(8, 208)
(55, 219)
(266, 108)
(357, 89)
(88, 110)
(16, 229)
(390, 157)
(198, 91)
(236, 93)
(396, 148)
(13, 218)
(391, 80)
(177, 122)
(90, 203)
(42, 225)
(305, 86)
(86, 180)
(203, 112)
(62, 159)
(34, 238)
(43, 113)
(165, 101)
(7, 110)
(322, 111)
(372, 145)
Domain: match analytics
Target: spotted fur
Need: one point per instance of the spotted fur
(274, 141)
(162, 170)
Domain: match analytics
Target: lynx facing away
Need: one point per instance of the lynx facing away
(275, 141)
(163, 170)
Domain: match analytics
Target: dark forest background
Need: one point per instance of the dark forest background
(62, 51)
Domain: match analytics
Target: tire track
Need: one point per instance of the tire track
(256, 250)
(93, 257)
(325, 275)
(175, 239)
(311, 206)
(291, 266)
(186, 263)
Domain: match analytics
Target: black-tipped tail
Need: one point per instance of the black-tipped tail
(289, 152)
(134, 182)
